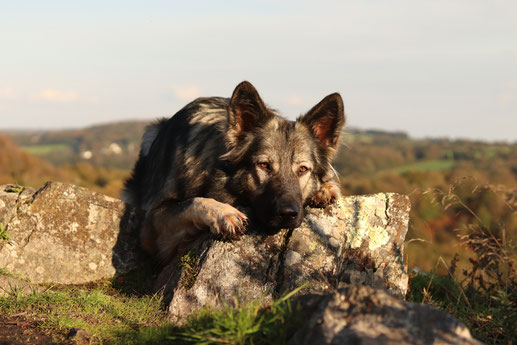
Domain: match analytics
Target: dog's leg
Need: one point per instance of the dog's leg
(327, 194)
(173, 223)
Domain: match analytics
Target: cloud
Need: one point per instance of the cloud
(294, 100)
(186, 92)
(7, 93)
(55, 96)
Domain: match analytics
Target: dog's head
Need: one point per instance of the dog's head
(280, 164)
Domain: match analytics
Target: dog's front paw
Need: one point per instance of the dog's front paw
(232, 225)
(328, 194)
(223, 219)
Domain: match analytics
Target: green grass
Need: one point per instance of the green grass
(190, 265)
(101, 311)
(434, 165)
(248, 324)
(14, 189)
(114, 317)
(45, 149)
(4, 272)
(4, 236)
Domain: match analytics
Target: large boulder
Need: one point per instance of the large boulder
(358, 240)
(359, 314)
(66, 234)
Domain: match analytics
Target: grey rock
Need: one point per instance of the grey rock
(67, 234)
(10, 199)
(363, 315)
(228, 273)
(359, 239)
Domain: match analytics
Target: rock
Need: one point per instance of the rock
(12, 286)
(10, 197)
(363, 315)
(66, 234)
(224, 273)
(358, 240)
(79, 336)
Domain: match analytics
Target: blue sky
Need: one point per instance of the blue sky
(430, 68)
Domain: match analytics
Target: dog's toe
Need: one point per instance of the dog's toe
(328, 194)
(233, 225)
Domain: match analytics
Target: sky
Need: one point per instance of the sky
(441, 68)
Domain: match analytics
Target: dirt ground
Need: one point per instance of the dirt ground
(18, 330)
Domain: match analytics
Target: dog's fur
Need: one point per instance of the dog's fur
(217, 154)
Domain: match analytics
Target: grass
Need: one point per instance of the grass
(491, 316)
(4, 272)
(14, 189)
(431, 165)
(114, 317)
(484, 294)
(190, 265)
(248, 324)
(45, 149)
(100, 310)
(4, 236)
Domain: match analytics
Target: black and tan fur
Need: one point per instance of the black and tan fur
(217, 154)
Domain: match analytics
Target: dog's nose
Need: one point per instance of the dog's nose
(288, 213)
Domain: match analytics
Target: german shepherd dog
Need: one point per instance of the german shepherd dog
(218, 154)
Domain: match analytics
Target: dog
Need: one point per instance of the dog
(216, 157)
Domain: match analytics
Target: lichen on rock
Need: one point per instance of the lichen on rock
(360, 240)
(66, 234)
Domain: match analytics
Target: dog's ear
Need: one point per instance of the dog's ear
(245, 111)
(326, 120)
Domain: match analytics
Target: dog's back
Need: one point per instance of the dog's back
(179, 154)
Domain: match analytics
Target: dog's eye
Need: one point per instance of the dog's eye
(303, 169)
(264, 165)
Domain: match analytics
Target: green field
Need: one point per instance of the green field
(432, 165)
(45, 149)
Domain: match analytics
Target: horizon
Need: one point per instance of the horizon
(432, 70)
(346, 131)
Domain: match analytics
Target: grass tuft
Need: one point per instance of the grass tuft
(248, 324)
(190, 265)
(4, 236)
(14, 189)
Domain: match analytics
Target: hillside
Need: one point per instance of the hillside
(18, 166)
(107, 145)
(21, 167)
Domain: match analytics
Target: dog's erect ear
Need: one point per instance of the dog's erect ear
(326, 120)
(245, 111)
